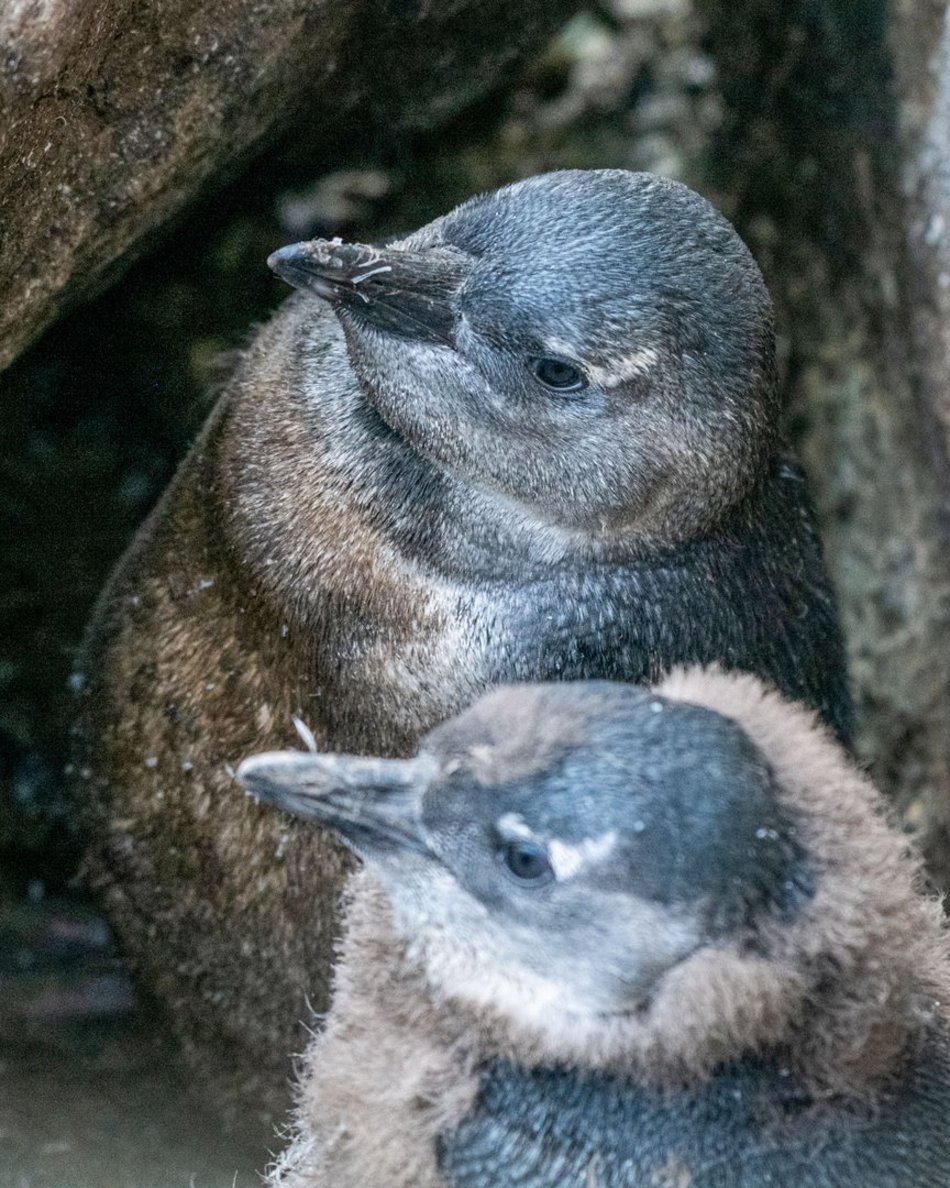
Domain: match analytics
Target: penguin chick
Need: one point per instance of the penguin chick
(535, 440)
(614, 937)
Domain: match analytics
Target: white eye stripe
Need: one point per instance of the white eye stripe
(513, 825)
(569, 858)
(619, 371)
(614, 371)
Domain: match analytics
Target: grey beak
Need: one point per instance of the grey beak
(373, 804)
(403, 291)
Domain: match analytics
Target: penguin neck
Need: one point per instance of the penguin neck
(439, 520)
(761, 1020)
(441, 511)
(722, 1010)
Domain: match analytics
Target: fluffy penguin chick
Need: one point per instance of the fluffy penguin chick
(613, 938)
(534, 441)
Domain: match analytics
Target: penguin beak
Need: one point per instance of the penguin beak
(400, 290)
(373, 804)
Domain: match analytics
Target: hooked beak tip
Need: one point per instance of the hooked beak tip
(247, 769)
(276, 259)
(263, 775)
(300, 265)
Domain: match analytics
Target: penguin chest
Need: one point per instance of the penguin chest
(395, 673)
(389, 671)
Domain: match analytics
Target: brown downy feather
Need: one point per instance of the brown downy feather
(868, 956)
(385, 1077)
(839, 995)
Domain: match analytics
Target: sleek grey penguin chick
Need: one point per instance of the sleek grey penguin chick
(535, 440)
(613, 937)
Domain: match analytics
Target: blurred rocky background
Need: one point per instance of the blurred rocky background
(821, 127)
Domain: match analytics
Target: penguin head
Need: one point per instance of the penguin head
(554, 852)
(653, 882)
(595, 346)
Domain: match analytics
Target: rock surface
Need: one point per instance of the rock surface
(114, 114)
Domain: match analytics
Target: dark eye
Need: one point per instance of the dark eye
(558, 375)
(527, 861)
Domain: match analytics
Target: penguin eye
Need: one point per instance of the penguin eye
(527, 861)
(558, 374)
